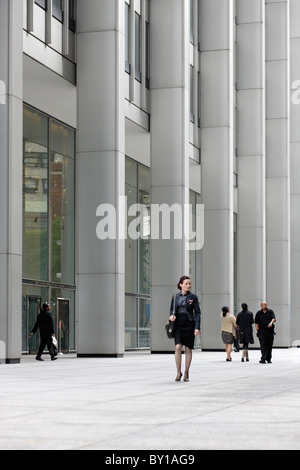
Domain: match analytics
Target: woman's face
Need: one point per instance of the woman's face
(186, 285)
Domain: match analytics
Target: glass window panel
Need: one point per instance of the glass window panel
(195, 255)
(131, 169)
(138, 251)
(147, 55)
(131, 323)
(35, 126)
(58, 9)
(192, 94)
(144, 241)
(145, 267)
(199, 24)
(62, 139)
(144, 179)
(192, 21)
(62, 210)
(137, 46)
(131, 247)
(144, 323)
(199, 97)
(72, 15)
(127, 37)
(35, 196)
(42, 3)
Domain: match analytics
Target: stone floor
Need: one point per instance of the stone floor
(134, 403)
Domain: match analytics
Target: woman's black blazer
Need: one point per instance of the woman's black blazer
(192, 307)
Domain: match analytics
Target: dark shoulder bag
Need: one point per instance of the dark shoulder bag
(170, 325)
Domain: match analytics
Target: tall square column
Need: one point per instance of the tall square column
(169, 156)
(295, 167)
(11, 160)
(217, 165)
(251, 153)
(278, 164)
(100, 176)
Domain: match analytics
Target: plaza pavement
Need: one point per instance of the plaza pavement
(134, 403)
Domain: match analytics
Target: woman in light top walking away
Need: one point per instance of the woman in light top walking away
(228, 331)
(186, 314)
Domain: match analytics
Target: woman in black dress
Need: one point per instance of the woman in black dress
(187, 324)
(245, 322)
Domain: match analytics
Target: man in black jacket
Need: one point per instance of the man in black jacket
(46, 326)
(264, 322)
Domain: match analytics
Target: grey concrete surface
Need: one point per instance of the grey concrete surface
(134, 403)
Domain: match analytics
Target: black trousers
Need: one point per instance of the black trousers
(266, 339)
(46, 342)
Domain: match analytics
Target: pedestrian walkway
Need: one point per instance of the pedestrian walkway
(134, 403)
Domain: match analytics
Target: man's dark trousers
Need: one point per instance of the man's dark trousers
(266, 339)
(45, 342)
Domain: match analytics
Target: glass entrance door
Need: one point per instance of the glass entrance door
(63, 318)
(34, 304)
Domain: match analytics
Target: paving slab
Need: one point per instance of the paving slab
(133, 403)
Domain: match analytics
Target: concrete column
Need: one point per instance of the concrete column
(100, 176)
(217, 165)
(295, 167)
(11, 158)
(169, 157)
(251, 152)
(278, 165)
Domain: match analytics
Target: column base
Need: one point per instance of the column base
(13, 361)
(91, 356)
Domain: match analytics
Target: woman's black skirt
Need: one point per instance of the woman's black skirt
(185, 331)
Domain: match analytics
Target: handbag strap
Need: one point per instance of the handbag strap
(174, 306)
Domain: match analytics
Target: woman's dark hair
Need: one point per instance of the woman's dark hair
(225, 310)
(244, 306)
(181, 281)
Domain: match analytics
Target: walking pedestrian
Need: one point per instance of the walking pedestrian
(236, 344)
(186, 314)
(45, 324)
(245, 322)
(228, 331)
(264, 323)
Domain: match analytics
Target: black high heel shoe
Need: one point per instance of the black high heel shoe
(178, 379)
(186, 378)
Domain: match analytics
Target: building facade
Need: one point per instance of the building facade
(116, 113)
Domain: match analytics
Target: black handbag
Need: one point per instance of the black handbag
(170, 325)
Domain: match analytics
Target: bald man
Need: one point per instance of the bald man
(264, 323)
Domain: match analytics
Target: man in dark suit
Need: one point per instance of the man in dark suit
(46, 326)
(264, 322)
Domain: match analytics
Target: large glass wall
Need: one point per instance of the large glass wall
(48, 222)
(137, 279)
